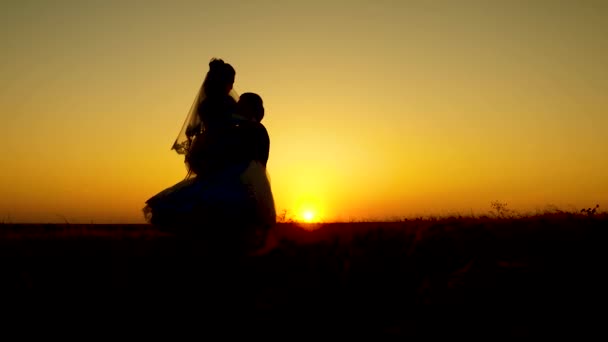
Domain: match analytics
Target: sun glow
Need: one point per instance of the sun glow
(308, 206)
(308, 215)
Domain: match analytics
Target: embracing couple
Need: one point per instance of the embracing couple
(226, 195)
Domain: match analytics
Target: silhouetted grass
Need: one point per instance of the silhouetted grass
(371, 277)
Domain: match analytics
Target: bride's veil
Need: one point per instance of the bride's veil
(192, 124)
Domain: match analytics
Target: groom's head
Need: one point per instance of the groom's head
(250, 105)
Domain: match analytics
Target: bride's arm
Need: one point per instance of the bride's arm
(196, 155)
(192, 130)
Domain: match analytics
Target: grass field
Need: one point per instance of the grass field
(379, 273)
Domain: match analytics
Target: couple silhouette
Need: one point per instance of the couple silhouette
(226, 195)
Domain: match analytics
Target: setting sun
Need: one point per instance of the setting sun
(308, 215)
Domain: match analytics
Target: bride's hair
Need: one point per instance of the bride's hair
(219, 79)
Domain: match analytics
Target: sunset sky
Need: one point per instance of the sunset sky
(375, 109)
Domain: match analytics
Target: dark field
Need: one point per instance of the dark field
(363, 278)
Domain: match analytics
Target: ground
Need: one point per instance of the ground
(369, 277)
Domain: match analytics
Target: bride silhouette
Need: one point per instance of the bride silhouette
(226, 195)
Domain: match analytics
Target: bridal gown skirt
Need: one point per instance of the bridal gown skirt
(236, 204)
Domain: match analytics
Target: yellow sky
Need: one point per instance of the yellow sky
(375, 109)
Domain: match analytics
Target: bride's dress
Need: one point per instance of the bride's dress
(234, 208)
(240, 194)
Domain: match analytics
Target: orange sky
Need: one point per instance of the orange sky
(375, 109)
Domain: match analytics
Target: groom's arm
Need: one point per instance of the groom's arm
(263, 145)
